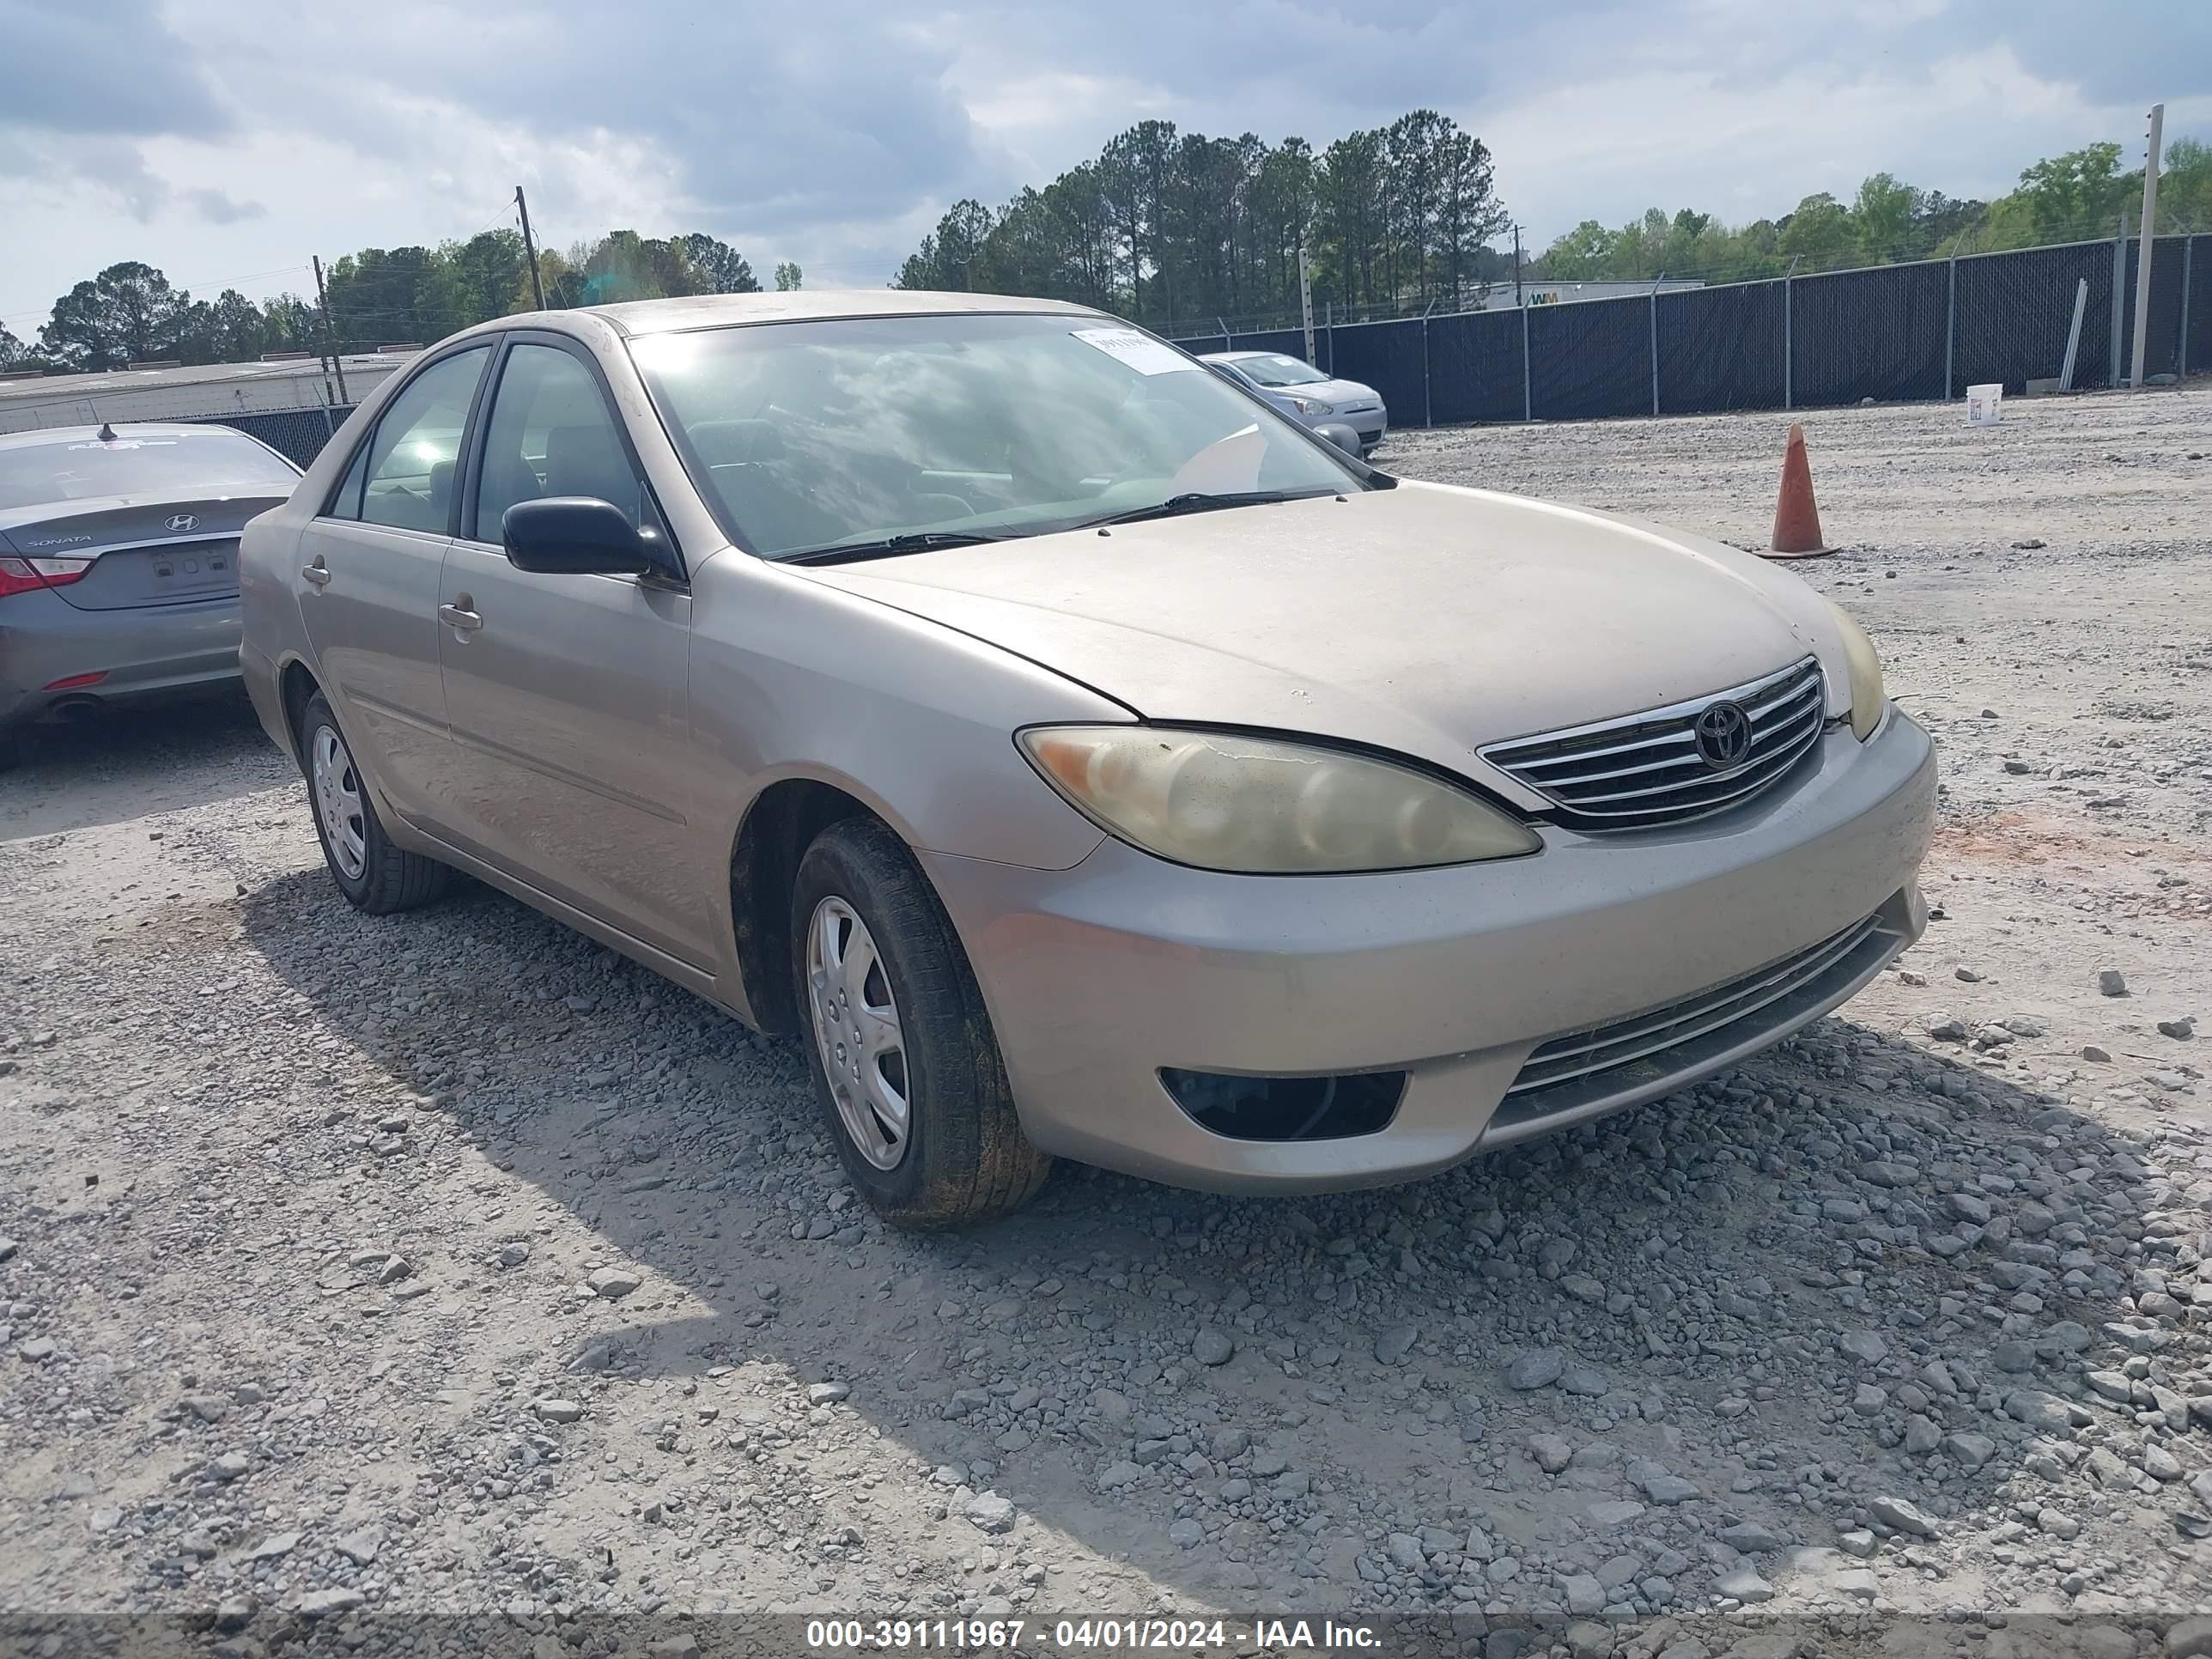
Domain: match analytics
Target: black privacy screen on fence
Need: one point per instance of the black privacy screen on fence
(1474, 368)
(1589, 359)
(298, 434)
(1867, 334)
(1722, 347)
(1889, 333)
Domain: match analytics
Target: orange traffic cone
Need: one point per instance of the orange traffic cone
(1797, 520)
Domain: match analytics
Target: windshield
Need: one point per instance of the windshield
(808, 436)
(83, 469)
(1278, 370)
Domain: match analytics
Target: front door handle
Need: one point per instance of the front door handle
(459, 616)
(316, 573)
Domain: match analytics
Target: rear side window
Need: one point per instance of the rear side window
(137, 464)
(409, 483)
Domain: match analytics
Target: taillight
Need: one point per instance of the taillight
(27, 575)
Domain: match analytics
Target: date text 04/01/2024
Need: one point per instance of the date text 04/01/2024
(999, 1635)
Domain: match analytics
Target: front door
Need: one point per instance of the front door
(566, 694)
(369, 566)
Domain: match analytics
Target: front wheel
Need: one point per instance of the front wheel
(906, 1067)
(375, 875)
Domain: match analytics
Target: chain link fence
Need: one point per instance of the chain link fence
(299, 435)
(1885, 334)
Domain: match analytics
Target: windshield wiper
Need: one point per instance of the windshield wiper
(1199, 501)
(887, 547)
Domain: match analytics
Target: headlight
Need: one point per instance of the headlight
(1313, 406)
(1259, 806)
(1867, 696)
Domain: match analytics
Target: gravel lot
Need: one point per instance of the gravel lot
(448, 1261)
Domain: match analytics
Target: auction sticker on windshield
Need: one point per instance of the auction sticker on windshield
(1147, 356)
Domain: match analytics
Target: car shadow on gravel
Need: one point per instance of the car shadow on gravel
(130, 764)
(1853, 1284)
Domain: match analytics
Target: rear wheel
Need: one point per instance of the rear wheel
(373, 874)
(906, 1068)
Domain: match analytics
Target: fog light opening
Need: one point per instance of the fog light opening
(1286, 1108)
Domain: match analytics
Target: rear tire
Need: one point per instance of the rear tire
(907, 1070)
(375, 875)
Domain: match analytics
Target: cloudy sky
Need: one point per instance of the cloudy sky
(225, 141)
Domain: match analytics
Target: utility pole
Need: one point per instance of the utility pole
(530, 250)
(1305, 298)
(1516, 264)
(330, 334)
(2145, 245)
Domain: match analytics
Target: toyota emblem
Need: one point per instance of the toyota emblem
(181, 523)
(1723, 732)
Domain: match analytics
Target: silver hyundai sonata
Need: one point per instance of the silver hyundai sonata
(1087, 761)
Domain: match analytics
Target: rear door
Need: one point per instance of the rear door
(567, 694)
(368, 581)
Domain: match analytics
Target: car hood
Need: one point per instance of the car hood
(1426, 619)
(1343, 393)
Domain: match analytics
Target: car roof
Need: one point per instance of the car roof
(73, 435)
(799, 305)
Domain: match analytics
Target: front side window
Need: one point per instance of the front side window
(551, 433)
(1276, 370)
(411, 459)
(810, 436)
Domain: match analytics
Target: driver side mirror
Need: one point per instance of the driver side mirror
(578, 536)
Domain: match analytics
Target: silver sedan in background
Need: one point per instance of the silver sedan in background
(1349, 415)
(1085, 760)
(118, 565)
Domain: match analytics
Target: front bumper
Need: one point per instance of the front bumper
(1098, 977)
(142, 653)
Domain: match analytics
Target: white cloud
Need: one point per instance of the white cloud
(222, 139)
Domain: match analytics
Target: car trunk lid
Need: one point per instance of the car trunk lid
(144, 551)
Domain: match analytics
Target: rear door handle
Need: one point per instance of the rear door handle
(458, 615)
(316, 573)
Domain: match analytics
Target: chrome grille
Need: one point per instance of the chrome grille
(1645, 770)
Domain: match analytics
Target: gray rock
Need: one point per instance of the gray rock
(1587, 1381)
(1751, 1538)
(1585, 1595)
(1551, 1452)
(1922, 1435)
(1901, 1515)
(2015, 1357)
(1668, 1489)
(273, 1547)
(328, 1603)
(231, 1466)
(2039, 1411)
(2111, 982)
(1969, 1448)
(1859, 1542)
(1406, 1552)
(1858, 1584)
(614, 1283)
(2179, 1029)
(2095, 1055)
(829, 1393)
(1186, 1534)
(1744, 1584)
(1213, 1347)
(556, 1411)
(1868, 1347)
(1538, 1369)
(2190, 1638)
(1883, 1172)
(37, 1348)
(988, 1512)
(1394, 1344)
(1115, 1476)
(359, 1548)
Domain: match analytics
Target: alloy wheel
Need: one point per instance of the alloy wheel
(856, 1032)
(338, 805)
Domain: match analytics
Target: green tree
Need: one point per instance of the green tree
(1820, 234)
(719, 268)
(12, 350)
(788, 276)
(2184, 188)
(127, 314)
(2077, 194)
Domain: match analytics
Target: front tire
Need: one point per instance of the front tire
(906, 1068)
(376, 876)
